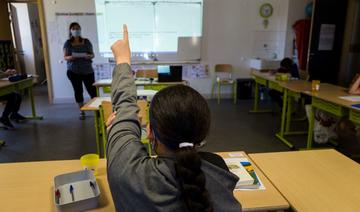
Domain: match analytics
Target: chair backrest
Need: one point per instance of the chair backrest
(107, 109)
(143, 113)
(223, 68)
(149, 73)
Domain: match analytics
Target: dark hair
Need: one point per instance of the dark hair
(286, 63)
(180, 114)
(73, 24)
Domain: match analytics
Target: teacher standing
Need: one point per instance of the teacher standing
(78, 52)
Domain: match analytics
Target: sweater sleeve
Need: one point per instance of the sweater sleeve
(126, 127)
(134, 177)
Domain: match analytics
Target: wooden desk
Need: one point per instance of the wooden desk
(99, 122)
(259, 200)
(148, 85)
(291, 90)
(7, 87)
(316, 180)
(327, 99)
(29, 187)
(261, 79)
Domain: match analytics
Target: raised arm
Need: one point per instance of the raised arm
(126, 127)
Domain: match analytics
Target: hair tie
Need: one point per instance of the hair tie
(185, 144)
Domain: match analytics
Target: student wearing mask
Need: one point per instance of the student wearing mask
(180, 178)
(12, 107)
(78, 52)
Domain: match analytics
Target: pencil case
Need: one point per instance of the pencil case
(77, 191)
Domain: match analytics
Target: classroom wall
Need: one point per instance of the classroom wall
(233, 33)
(5, 32)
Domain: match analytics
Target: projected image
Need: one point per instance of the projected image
(161, 27)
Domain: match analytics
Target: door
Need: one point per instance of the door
(24, 40)
(327, 36)
(17, 37)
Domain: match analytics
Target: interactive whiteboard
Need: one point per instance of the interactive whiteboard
(158, 29)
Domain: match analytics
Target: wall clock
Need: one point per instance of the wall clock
(266, 11)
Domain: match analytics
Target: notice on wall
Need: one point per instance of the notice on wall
(327, 37)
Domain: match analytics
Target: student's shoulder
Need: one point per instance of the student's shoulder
(214, 159)
(67, 43)
(87, 41)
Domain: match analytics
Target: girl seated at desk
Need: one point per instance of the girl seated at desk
(179, 178)
(12, 106)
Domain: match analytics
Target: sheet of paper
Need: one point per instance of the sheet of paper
(79, 54)
(351, 98)
(98, 101)
(236, 154)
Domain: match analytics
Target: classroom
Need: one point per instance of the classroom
(180, 105)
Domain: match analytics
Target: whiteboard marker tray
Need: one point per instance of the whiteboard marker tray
(77, 191)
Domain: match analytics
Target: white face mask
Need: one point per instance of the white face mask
(75, 32)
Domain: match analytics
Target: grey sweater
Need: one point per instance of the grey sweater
(141, 183)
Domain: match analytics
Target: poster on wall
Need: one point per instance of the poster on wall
(196, 71)
(327, 37)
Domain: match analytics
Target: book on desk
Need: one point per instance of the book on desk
(242, 168)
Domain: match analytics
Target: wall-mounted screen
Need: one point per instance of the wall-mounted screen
(158, 29)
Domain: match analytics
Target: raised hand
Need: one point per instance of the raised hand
(121, 49)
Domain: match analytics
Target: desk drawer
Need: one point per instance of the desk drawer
(261, 81)
(355, 116)
(329, 107)
(275, 86)
(24, 84)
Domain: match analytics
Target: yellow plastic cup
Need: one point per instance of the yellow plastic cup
(315, 85)
(90, 162)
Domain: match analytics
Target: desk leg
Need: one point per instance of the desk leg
(311, 128)
(33, 110)
(257, 100)
(288, 115)
(97, 91)
(257, 97)
(289, 119)
(103, 131)
(280, 135)
(97, 131)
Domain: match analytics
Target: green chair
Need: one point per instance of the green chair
(223, 77)
(106, 111)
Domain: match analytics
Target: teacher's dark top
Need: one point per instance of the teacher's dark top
(82, 66)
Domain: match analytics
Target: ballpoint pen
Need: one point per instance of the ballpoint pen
(57, 195)
(92, 185)
(72, 193)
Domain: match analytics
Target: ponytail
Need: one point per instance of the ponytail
(179, 113)
(192, 180)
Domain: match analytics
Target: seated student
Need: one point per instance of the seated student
(355, 85)
(179, 178)
(286, 66)
(12, 107)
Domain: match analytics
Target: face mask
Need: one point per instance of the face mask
(76, 32)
